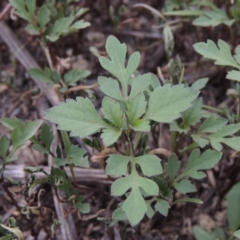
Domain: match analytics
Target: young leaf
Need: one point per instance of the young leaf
(117, 165)
(221, 54)
(112, 111)
(200, 233)
(184, 186)
(110, 87)
(71, 77)
(43, 16)
(136, 107)
(79, 117)
(46, 135)
(110, 135)
(199, 84)
(75, 156)
(4, 145)
(12, 123)
(21, 134)
(212, 124)
(166, 103)
(172, 166)
(139, 84)
(150, 165)
(237, 234)
(233, 75)
(119, 214)
(82, 207)
(43, 75)
(116, 66)
(162, 206)
(193, 115)
(196, 163)
(233, 213)
(150, 211)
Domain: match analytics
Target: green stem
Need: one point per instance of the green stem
(47, 53)
(66, 141)
(188, 148)
(212, 109)
(173, 140)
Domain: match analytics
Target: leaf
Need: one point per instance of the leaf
(46, 135)
(116, 66)
(189, 200)
(197, 163)
(110, 136)
(62, 25)
(172, 166)
(233, 213)
(139, 84)
(117, 165)
(112, 111)
(12, 123)
(31, 6)
(200, 233)
(150, 165)
(80, 24)
(212, 124)
(4, 146)
(213, 18)
(21, 11)
(32, 29)
(75, 156)
(233, 75)
(79, 117)
(43, 75)
(200, 141)
(166, 103)
(16, 231)
(110, 87)
(237, 234)
(221, 54)
(134, 206)
(199, 84)
(150, 211)
(21, 134)
(193, 114)
(43, 16)
(162, 206)
(75, 75)
(184, 186)
(136, 107)
(119, 214)
(83, 207)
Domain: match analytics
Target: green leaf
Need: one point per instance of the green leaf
(21, 134)
(80, 24)
(150, 165)
(213, 18)
(75, 75)
(46, 135)
(12, 123)
(233, 75)
(184, 186)
(193, 115)
(110, 136)
(232, 142)
(172, 166)
(43, 75)
(200, 233)
(79, 117)
(134, 206)
(20, 8)
(196, 163)
(119, 214)
(199, 84)
(32, 29)
(237, 234)
(62, 25)
(150, 211)
(139, 84)
(162, 206)
(189, 200)
(15, 231)
(83, 207)
(200, 141)
(233, 213)
(116, 66)
(75, 156)
(212, 124)
(110, 87)
(43, 16)
(31, 6)
(4, 145)
(112, 111)
(117, 165)
(136, 107)
(166, 103)
(221, 54)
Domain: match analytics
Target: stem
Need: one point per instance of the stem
(66, 141)
(182, 75)
(47, 53)
(213, 109)
(173, 140)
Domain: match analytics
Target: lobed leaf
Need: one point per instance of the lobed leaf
(162, 206)
(166, 103)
